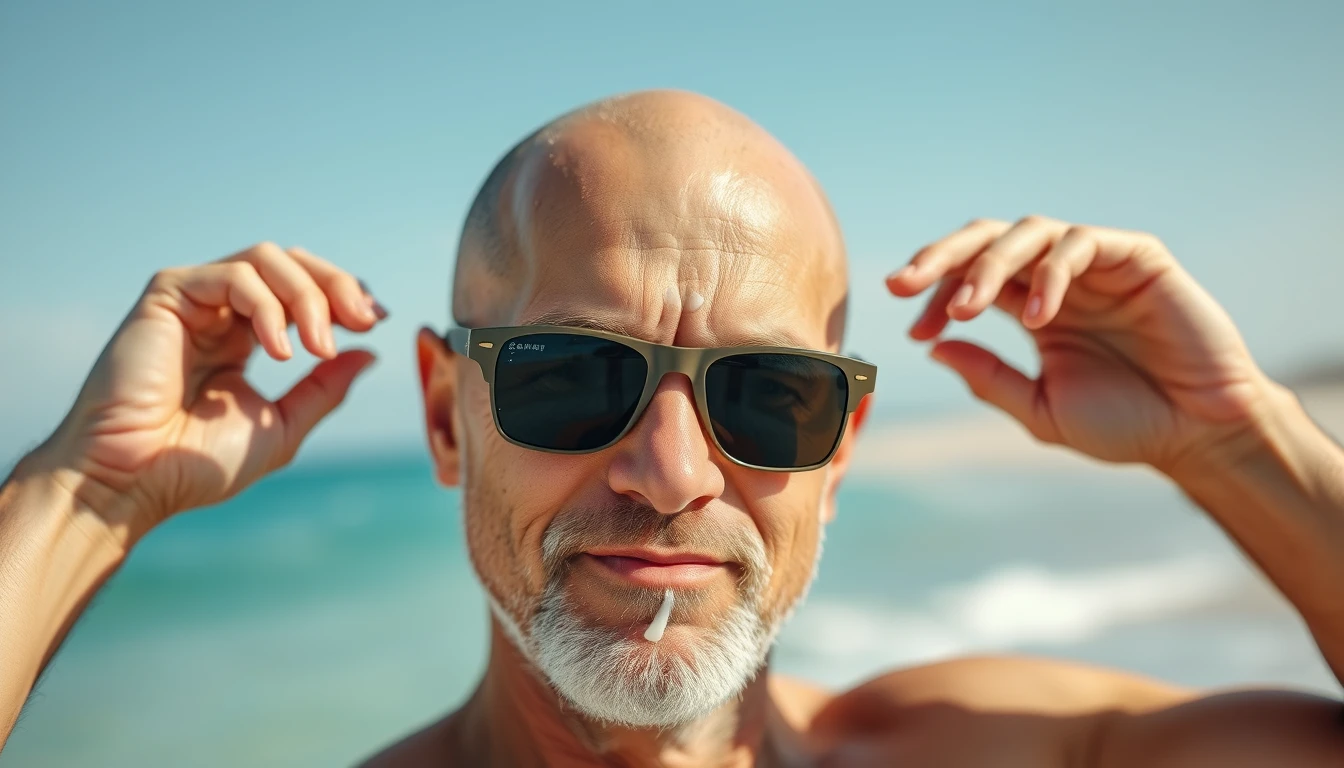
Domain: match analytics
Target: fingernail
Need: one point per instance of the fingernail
(365, 308)
(962, 295)
(902, 273)
(284, 345)
(1033, 306)
(378, 310)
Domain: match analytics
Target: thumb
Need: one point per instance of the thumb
(316, 395)
(997, 383)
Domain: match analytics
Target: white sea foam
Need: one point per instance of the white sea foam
(1011, 607)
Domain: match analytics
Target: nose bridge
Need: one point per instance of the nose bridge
(666, 461)
(677, 360)
(684, 360)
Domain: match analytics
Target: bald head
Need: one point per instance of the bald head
(646, 187)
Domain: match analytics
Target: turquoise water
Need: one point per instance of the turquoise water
(331, 607)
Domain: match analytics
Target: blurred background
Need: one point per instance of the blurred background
(330, 608)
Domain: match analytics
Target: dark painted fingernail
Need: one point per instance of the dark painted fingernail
(379, 311)
(365, 309)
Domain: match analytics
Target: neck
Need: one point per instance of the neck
(515, 718)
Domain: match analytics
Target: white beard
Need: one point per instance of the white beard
(634, 683)
(612, 679)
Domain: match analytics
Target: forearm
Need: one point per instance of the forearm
(53, 557)
(1279, 492)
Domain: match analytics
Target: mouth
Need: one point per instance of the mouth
(657, 569)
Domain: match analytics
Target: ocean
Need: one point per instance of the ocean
(331, 607)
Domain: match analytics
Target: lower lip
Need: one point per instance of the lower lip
(644, 573)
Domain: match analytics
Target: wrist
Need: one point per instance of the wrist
(1276, 438)
(44, 493)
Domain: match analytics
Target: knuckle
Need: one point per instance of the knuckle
(1152, 243)
(979, 223)
(322, 390)
(269, 306)
(1033, 220)
(315, 301)
(266, 249)
(166, 276)
(1049, 267)
(1080, 232)
(240, 271)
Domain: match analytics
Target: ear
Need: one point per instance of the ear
(437, 364)
(840, 462)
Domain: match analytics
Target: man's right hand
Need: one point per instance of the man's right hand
(166, 420)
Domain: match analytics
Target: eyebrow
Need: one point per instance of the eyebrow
(744, 338)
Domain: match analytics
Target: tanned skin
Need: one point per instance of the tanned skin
(591, 220)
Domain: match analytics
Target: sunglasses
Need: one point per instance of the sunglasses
(575, 390)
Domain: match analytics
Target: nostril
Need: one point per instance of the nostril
(699, 503)
(639, 497)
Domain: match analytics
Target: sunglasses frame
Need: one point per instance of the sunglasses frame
(484, 344)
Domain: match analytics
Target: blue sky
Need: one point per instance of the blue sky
(140, 135)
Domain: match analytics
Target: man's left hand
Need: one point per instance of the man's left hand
(1138, 362)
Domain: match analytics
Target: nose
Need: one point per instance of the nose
(666, 460)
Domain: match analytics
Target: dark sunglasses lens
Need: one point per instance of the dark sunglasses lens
(566, 392)
(776, 410)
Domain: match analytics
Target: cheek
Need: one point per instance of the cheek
(510, 495)
(794, 571)
(786, 508)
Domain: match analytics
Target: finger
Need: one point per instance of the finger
(1072, 256)
(239, 286)
(353, 305)
(1012, 298)
(297, 290)
(999, 384)
(934, 319)
(314, 396)
(1024, 243)
(933, 262)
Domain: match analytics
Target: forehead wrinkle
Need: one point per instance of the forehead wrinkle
(742, 337)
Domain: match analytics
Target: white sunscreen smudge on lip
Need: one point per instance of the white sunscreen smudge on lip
(694, 301)
(656, 627)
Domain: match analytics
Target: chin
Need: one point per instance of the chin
(610, 673)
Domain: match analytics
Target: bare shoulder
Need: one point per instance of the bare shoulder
(1005, 684)
(1023, 710)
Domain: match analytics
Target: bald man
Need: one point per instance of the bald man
(645, 402)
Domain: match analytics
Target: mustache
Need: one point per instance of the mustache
(626, 522)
